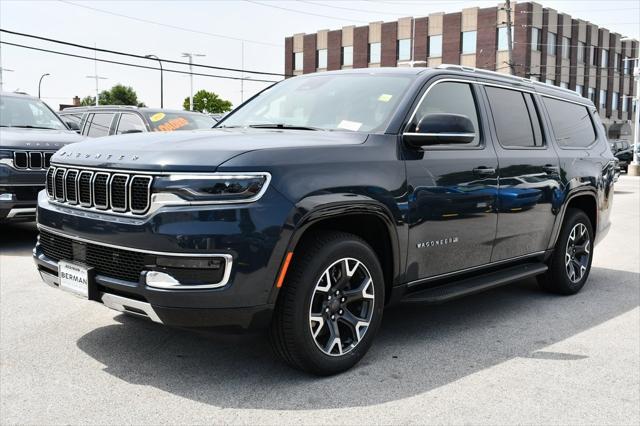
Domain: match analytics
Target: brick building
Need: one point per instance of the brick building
(548, 46)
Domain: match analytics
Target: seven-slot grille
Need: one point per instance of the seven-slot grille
(33, 160)
(115, 192)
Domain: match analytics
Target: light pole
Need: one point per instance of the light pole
(97, 77)
(40, 83)
(190, 56)
(161, 83)
(634, 167)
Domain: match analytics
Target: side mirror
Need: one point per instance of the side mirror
(441, 129)
(72, 125)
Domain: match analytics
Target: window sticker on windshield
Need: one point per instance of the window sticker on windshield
(349, 125)
(385, 97)
(174, 124)
(157, 117)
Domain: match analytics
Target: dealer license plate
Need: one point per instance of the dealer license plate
(74, 278)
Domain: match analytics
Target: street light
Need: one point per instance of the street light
(161, 88)
(190, 56)
(634, 167)
(40, 83)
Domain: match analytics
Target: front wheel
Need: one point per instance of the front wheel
(570, 262)
(330, 306)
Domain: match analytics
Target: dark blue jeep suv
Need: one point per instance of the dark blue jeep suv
(326, 198)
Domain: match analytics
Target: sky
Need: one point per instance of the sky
(212, 28)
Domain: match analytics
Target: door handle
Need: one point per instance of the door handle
(483, 170)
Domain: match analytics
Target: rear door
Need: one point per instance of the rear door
(528, 174)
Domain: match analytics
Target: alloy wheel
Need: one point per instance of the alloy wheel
(577, 252)
(341, 307)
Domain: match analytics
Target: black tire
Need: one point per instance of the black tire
(291, 329)
(558, 279)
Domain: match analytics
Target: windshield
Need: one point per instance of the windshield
(170, 121)
(18, 111)
(356, 102)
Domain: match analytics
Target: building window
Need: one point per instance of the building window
(535, 39)
(502, 39)
(604, 58)
(627, 66)
(549, 81)
(375, 51)
(593, 59)
(551, 44)
(469, 42)
(566, 47)
(435, 46)
(564, 84)
(579, 90)
(616, 62)
(347, 56)
(297, 61)
(591, 94)
(404, 49)
(602, 102)
(581, 52)
(322, 58)
(614, 101)
(625, 105)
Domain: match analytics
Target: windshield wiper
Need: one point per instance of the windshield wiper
(283, 126)
(27, 126)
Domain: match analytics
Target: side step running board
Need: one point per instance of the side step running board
(456, 289)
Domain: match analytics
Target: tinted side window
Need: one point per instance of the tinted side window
(130, 123)
(100, 125)
(514, 126)
(76, 118)
(453, 98)
(571, 123)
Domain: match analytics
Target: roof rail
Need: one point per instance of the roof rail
(104, 106)
(507, 76)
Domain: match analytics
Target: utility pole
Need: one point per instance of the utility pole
(161, 82)
(2, 69)
(40, 83)
(507, 9)
(96, 76)
(190, 56)
(634, 167)
(242, 73)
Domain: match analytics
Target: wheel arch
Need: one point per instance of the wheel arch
(584, 200)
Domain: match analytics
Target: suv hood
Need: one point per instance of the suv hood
(200, 150)
(36, 139)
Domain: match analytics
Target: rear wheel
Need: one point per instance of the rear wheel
(570, 263)
(330, 306)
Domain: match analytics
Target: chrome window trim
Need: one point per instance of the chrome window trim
(228, 259)
(90, 189)
(140, 212)
(93, 191)
(462, 135)
(126, 193)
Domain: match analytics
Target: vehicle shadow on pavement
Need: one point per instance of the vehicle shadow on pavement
(419, 348)
(17, 238)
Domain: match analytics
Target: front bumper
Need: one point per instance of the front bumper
(253, 235)
(18, 202)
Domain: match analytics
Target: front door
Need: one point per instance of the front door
(452, 190)
(529, 178)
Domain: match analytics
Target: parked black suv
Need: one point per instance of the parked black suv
(623, 152)
(30, 132)
(104, 120)
(329, 196)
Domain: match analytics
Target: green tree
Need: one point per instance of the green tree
(208, 102)
(117, 95)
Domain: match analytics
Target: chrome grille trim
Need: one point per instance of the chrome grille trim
(94, 190)
(31, 160)
(78, 188)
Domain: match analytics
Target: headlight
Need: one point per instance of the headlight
(213, 188)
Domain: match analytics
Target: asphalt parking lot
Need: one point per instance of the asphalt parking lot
(512, 355)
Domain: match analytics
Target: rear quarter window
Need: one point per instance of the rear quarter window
(572, 123)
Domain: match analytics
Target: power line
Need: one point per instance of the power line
(131, 65)
(350, 8)
(175, 27)
(305, 13)
(132, 55)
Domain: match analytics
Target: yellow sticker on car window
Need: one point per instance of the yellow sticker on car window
(157, 117)
(385, 97)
